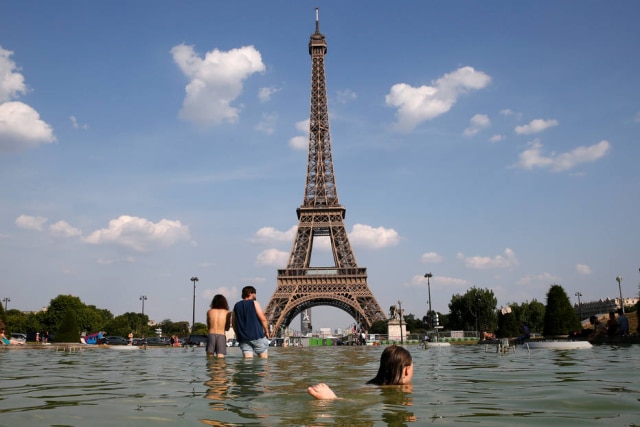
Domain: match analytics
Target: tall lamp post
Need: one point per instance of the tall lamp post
(578, 294)
(430, 314)
(194, 279)
(619, 280)
(6, 300)
(400, 312)
(143, 298)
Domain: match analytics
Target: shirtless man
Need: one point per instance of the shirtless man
(218, 321)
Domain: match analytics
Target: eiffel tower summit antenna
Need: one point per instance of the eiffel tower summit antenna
(344, 284)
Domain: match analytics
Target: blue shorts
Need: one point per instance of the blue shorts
(261, 345)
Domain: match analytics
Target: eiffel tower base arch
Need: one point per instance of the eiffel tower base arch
(343, 288)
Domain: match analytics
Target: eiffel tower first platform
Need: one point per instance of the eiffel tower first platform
(343, 285)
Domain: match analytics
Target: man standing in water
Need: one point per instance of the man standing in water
(218, 321)
(250, 325)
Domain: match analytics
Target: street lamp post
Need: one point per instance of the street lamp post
(400, 312)
(6, 300)
(194, 279)
(578, 294)
(143, 298)
(619, 280)
(430, 314)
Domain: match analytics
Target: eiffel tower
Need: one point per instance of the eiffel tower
(343, 285)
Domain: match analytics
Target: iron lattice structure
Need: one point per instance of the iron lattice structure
(343, 285)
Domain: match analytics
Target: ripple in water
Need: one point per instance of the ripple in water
(460, 384)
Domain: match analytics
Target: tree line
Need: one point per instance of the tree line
(67, 316)
(476, 310)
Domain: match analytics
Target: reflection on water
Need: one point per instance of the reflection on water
(460, 384)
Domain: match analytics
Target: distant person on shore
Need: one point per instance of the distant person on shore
(525, 333)
(130, 336)
(250, 325)
(599, 329)
(612, 324)
(488, 336)
(218, 322)
(623, 323)
(8, 341)
(396, 368)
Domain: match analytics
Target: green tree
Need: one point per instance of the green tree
(475, 310)
(68, 330)
(379, 327)
(508, 324)
(560, 318)
(535, 316)
(89, 318)
(125, 323)
(200, 329)
(3, 322)
(174, 328)
(531, 313)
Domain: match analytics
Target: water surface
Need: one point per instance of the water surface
(460, 385)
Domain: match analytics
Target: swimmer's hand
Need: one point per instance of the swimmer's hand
(321, 392)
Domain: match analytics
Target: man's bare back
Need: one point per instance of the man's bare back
(218, 320)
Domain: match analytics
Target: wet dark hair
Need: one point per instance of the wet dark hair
(392, 362)
(248, 290)
(219, 301)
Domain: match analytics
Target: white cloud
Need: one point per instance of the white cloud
(535, 126)
(418, 104)
(301, 142)
(303, 125)
(139, 234)
(21, 128)
(109, 261)
(483, 263)
(533, 157)
(514, 115)
(361, 235)
(11, 82)
(367, 236)
(346, 95)
(431, 257)
(273, 258)
(496, 138)
(20, 125)
(64, 229)
(265, 93)
(29, 222)
(267, 123)
(439, 282)
(583, 269)
(544, 278)
(270, 234)
(478, 122)
(215, 81)
(76, 125)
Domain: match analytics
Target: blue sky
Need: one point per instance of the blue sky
(494, 144)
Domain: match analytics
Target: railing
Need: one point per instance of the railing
(320, 271)
(442, 336)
